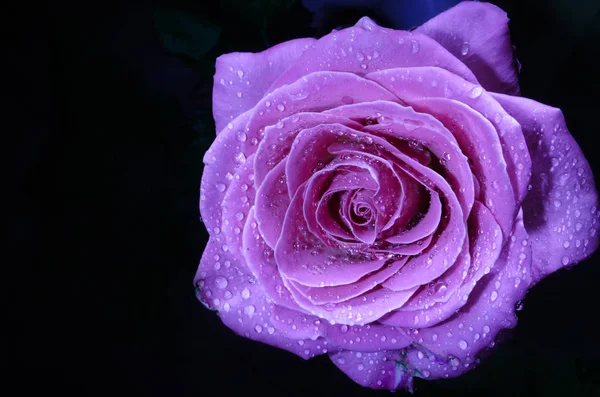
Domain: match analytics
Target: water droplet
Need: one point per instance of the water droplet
(221, 187)
(486, 329)
(239, 216)
(240, 73)
(280, 107)
(239, 94)
(344, 328)
(565, 260)
(494, 296)
(221, 282)
(519, 306)
(249, 310)
(462, 344)
(271, 330)
(360, 367)
(226, 307)
(475, 92)
(360, 57)
(464, 48)
(245, 293)
(258, 329)
(414, 46)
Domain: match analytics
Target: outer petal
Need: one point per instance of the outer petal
(233, 292)
(450, 348)
(417, 83)
(242, 78)
(561, 208)
(377, 370)
(368, 47)
(478, 34)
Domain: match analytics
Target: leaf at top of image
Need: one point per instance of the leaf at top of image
(185, 34)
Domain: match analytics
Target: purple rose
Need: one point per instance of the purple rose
(385, 197)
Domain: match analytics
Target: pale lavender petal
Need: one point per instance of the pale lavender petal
(451, 348)
(561, 209)
(231, 290)
(236, 204)
(341, 293)
(377, 370)
(242, 78)
(485, 247)
(477, 34)
(431, 82)
(260, 260)
(221, 162)
(479, 141)
(279, 138)
(303, 258)
(272, 202)
(367, 47)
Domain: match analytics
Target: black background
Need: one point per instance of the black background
(107, 235)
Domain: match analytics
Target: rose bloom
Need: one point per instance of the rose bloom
(386, 197)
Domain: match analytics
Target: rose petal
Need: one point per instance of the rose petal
(272, 202)
(302, 258)
(341, 293)
(242, 78)
(238, 200)
(426, 226)
(455, 344)
(561, 208)
(486, 245)
(279, 138)
(359, 310)
(313, 92)
(219, 170)
(358, 338)
(479, 141)
(418, 83)
(231, 290)
(377, 370)
(394, 122)
(483, 44)
(367, 47)
(260, 260)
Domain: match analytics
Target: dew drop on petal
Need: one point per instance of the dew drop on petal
(221, 282)
(245, 293)
(464, 48)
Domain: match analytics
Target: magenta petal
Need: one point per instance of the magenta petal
(561, 213)
(368, 47)
(478, 35)
(454, 345)
(242, 78)
(302, 258)
(232, 291)
(340, 293)
(430, 82)
(272, 202)
(260, 259)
